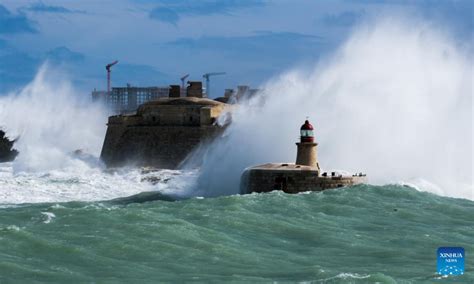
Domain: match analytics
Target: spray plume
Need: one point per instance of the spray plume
(395, 101)
(51, 121)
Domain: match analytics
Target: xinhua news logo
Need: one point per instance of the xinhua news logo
(451, 260)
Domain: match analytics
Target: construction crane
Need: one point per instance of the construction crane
(208, 84)
(182, 80)
(107, 67)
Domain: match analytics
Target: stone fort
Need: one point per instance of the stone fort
(163, 131)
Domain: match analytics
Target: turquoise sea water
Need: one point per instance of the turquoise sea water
(361, 234)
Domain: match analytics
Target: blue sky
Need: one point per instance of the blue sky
(157, 41)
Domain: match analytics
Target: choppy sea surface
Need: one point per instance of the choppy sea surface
(64, 218)
(360, 234)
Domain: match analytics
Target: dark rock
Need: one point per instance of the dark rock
(145, 197)
(155, 180)
(7, 153)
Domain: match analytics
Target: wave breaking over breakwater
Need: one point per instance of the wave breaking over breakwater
(394, 101)
(52, 121)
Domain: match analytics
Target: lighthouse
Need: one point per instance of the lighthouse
(307, 152)
(304, 175)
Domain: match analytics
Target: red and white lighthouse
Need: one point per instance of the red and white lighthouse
(307, 152)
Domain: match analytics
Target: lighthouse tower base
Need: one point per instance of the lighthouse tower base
(307, 155)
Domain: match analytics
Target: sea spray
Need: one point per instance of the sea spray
(400, 112)
(394, 101)
(52, 121)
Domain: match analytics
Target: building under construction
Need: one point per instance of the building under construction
(127, 99)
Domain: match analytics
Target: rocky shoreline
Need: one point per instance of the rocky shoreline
(7, 153)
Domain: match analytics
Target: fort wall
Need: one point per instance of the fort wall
(162, 133)
(160, 147)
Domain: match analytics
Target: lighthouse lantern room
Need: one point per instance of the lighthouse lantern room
(306, 132)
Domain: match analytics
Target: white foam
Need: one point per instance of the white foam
(81, 184)
(420, 184)
(49, 217)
